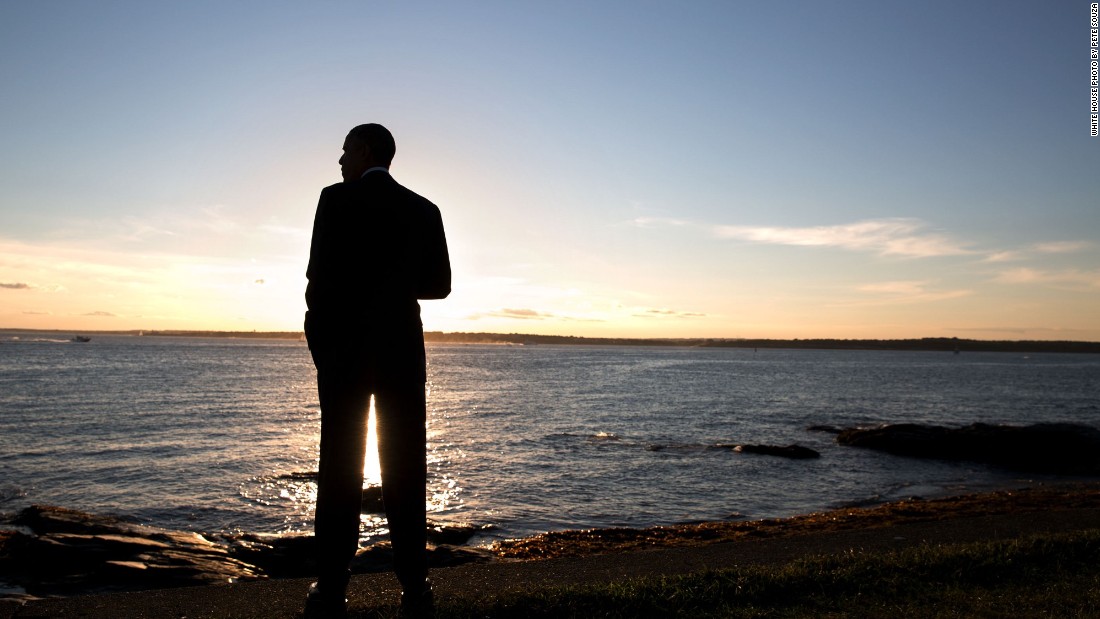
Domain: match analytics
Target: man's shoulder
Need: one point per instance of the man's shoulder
(378, 189)
(410, 197)
(333, 192)
(390, 190)
(336, 187)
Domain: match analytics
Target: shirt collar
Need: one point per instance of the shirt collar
(375, 169)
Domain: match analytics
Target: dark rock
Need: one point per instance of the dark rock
(70, 552)
(1059, 448)
(825, 429)
(795, 452)
(293, 556)
(454, 534)
(275, 555)
(372, 500)
(446, 555)
(903, 439)
(372, 495)
(61, 551)
(603, 436)
(44, 519)
(379, 557)
(300, 475)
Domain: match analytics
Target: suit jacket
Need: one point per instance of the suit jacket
(377, 249)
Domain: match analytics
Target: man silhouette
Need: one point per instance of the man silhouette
(377, 249)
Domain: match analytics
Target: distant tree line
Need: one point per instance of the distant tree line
(949, 344)
(928, 343)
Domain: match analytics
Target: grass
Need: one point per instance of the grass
(1040, 576)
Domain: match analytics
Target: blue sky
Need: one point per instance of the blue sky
(718, 169)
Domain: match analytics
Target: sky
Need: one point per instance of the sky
(851, 169)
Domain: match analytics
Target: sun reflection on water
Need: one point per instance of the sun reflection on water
(444, 496)
(372, 470)
(298, 489)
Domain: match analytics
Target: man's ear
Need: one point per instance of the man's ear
(367, 155)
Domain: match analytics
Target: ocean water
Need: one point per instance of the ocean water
(212, 434)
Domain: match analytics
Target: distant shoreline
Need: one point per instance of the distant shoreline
(943, 344)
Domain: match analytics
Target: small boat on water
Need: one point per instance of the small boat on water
(81, 338)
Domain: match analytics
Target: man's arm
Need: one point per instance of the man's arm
(435, 273)
(315, 249)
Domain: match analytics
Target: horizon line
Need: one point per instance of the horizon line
(277, 334)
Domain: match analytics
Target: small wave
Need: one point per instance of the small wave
(25, 454)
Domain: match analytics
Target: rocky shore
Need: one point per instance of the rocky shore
(50, 551)
(53, 551)
(1059, 448)
(1068, 496)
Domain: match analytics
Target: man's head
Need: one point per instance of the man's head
(366, 146)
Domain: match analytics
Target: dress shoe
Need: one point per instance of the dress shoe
(418, 602)
(325, 603)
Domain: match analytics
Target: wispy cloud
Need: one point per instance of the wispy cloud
(212, 232)
(203, 222)
(1062, 247)
(91, 282)
(667, 313)
(516, 313)
(898, 237)
(1022, 275)
(1053, 247)
(1005, 256)
(15, 286)
(902, 292)
(658, 222)
(897, 288)
(1071, 278)
(585, 315)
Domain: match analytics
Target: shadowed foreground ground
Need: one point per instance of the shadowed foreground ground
(620, 554)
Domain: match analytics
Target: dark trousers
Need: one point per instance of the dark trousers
(401, 415)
